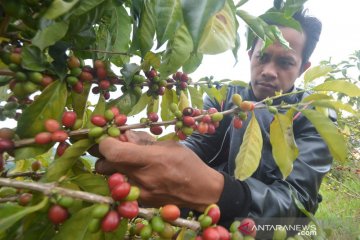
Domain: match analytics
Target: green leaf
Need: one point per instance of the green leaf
(316, 96)
(254, 23)
(279, 19)
(60, 166)
(11, 213)
(220, 32)
(150, 59)
(79, 100)
(129, 70)
(177, 52)
(50, 104)
(329, 132)
(336, 105)
(32, 58)
(341, 86)
(248, 158)
(213, 93)
(166, 100)
(292, 6)
(193, 62)
(120, 30)
(146, 31)
(197, 14)
(86, 6)
(58, 8)
(316, 72)
(168, 18)
(283, 144)
(31, 151)
(140, 105)
(183, 101)
(126, 102)
(92, 183)
(50, 35)
(168, 136)
(153, 106)
(196, 97)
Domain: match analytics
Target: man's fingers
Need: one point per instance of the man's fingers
(126, 153)
(104, 167)
(139, 137)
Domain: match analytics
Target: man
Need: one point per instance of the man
(185, 175)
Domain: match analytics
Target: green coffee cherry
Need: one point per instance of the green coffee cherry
(66, 201)
(235, 226)
(174, 107)
(236, 99)
(272, 109)
(113, 131)
(133, 194)
(217, 117)
(157, 224)
(205, 221)
(95, 132)
(146, 232)
(100, 210)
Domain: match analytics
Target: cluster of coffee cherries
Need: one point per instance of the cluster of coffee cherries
(106, 217)
(156, 84)
(244, 107)
(152, 117)
(107, 124)
(188, 120)
(106, 81)
(6, 145)
(24, 82)
(159, 226)
(57, 133)
(180, 80)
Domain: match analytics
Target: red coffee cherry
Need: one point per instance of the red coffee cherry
(86, 76)
(156, 130)
(59, 136)
(188, 121)
(104, 84)
(120, 191)
(120, 119)
(98, 120)
(202, 128)
(57, 214)
(214, 213)
(128, 209)
(78, 87)
(6, 145)
(247, 106)
(35, 166)
(116, 179)
(110, 222)
(43, 138)
(223, 233)
(211, 233)
(51, 125)
(247, 227)
(153, 116)
(237, 122)
(170, 212)
(24, 199)
(61, 148)
(212, 110)
(206, 118)
(69, 119)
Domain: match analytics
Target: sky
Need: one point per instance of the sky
(340, 37)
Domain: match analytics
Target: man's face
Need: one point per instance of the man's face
(277, 68)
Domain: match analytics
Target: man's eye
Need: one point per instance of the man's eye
(286, 63)
(262, 58)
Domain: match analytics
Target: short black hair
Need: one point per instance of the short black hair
(311, 26)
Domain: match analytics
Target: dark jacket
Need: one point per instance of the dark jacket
(265, 194)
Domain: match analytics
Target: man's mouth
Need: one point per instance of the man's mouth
(267, 85)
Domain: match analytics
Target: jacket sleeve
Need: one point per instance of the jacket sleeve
(314, 161)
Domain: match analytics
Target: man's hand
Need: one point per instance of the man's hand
(166, 172)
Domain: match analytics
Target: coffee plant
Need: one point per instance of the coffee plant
(74, 72)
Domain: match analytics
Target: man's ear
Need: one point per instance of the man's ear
(305, 67)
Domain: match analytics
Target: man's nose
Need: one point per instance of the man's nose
(269, 71)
